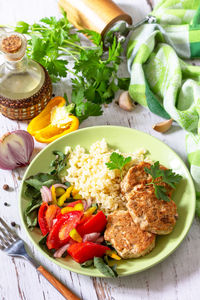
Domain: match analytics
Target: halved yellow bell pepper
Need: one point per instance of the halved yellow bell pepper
(47, 127)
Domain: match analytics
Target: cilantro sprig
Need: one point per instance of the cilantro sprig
(94, 75)
(117, 162)
(161, 175)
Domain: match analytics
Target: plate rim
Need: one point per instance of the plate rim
(83, 272)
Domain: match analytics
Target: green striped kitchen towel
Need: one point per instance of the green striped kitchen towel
(161, 80)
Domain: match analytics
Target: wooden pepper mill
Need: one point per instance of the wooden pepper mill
(97, 15)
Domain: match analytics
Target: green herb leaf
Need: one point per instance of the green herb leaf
(94, 36)
(31, 212)
(43, 245)
(167, 176)
(31, 192)
(87, 263)
(154, 170)
(59, 163)
(22, 27)
(171, 178)
(160, 192)
(104, 268)
(117, 161)
(40, 179)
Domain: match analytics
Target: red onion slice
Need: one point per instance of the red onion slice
(64, 248)
(100, 240)
(91, 237)
(16, 148)
(46, 194)
(60, 185)
(88, 203)
(61, 250)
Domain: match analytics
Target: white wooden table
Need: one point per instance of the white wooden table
(178, 277)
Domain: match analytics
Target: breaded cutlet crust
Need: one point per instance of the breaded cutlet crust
(126, 237)
(137, 175)
(151, 214)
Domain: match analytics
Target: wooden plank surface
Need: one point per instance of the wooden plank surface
(177, 278)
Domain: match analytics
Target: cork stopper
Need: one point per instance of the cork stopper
(11, 44)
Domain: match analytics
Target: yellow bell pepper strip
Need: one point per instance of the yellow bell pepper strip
(89, 211)
(76, 195)
(59, 191)
(53, 193)
(74, 192)
(66, 209)
(113, 254)
(75, 235)
(53, 122)
(65, 196)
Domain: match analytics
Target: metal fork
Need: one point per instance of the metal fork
(11, 244)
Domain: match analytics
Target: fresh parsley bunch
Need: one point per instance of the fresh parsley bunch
(95, 76)
(49, 40)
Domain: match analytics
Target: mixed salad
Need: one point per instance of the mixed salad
(69, 224)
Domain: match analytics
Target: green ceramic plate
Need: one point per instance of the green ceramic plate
(127, 140)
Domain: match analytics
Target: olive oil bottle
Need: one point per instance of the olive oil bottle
(25, 86)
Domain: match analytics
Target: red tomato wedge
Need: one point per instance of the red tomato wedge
(59, 234)
(82, 252)
(46, 215)
(52, 212)
(96, 223)
(41, 218)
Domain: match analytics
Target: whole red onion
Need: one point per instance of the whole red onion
(16, 148)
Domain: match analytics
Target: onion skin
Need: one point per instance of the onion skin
(16, 148)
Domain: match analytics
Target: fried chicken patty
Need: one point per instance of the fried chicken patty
(151, 214)
(137, 176)
(126, 237)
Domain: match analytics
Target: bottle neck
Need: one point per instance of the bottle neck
(17, 66)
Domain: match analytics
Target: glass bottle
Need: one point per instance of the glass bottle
(25, 86)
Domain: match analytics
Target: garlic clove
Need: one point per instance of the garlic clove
(125, 101)
(163, 126)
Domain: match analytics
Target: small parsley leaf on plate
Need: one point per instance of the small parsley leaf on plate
(166, 175)
(117, 161)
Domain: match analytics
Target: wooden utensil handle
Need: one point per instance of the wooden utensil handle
(57, 284)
